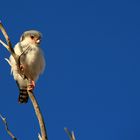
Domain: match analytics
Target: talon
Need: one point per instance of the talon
(33, 83)
(31, 86)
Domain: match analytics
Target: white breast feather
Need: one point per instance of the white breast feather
(34, 63)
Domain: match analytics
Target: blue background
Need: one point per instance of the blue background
(92, 81)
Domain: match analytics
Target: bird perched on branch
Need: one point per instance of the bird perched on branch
(31, 60)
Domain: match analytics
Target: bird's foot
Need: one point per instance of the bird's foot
(31, 86)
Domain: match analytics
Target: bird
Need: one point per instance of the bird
(32, 62)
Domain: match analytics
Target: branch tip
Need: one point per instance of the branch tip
(70, 134)
(3, 119)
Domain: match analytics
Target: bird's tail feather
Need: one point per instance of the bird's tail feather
(23, 96)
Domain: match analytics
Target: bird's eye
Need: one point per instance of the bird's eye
(32, 37)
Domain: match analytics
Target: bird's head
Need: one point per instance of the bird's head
(32, 36)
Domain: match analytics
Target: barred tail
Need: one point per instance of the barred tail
(23, 96)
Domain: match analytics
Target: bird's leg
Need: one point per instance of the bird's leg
(31, 85)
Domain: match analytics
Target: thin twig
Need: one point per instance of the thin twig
(3, 44)
(7, 129)
(70, 134)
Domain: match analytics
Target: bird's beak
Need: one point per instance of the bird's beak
(38, 41)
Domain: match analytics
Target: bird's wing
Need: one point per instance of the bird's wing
(18, 50)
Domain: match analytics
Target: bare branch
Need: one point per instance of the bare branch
(21, 72)
(39, 116)
(7, 129)
(9, 45)
(70, 134)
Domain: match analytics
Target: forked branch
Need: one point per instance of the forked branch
(7, 129)
(9, 45)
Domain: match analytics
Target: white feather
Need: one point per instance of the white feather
(8, 61)
(33, 62)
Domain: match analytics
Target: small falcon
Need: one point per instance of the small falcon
(31, 60)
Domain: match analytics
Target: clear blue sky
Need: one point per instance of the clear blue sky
(92, 81)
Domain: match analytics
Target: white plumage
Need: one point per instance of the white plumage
(31, 59)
